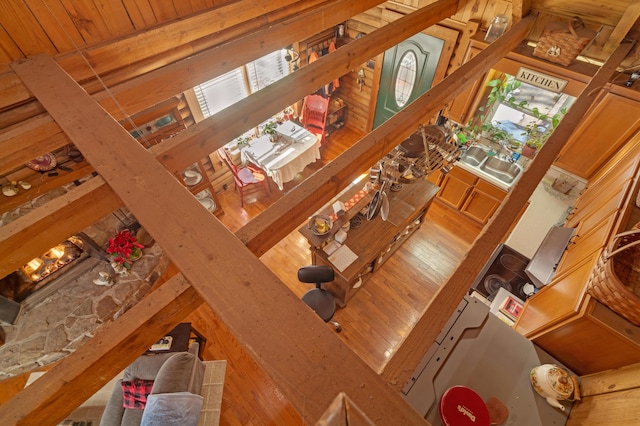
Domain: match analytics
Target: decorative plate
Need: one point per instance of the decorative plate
(320, 224)
(43, 163)
(192, 178)
(208, 203)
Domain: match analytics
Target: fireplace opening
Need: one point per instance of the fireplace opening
(41, 270)
(36, 276)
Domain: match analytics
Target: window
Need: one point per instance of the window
(227, 89)
(514, 116)
(266, 70)
(217, 94)
(406, 78)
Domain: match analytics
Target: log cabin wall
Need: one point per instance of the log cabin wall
(608, 398)
(27, 130)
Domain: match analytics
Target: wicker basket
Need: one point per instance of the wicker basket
(615, 280)
(562, 42)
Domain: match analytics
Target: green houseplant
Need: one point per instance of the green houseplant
(270, 130)
(242, 141)
(500, 93)
(535, 137)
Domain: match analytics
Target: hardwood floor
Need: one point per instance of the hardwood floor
(376, 319)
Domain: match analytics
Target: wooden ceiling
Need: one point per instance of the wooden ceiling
(131, 54)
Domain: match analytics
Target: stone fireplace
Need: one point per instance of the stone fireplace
(65, 307)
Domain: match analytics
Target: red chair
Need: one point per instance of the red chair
(315, 112)
(247, 178)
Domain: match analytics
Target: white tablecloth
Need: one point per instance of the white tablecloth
(286, 158)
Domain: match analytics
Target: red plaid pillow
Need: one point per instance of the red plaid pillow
(135, 392)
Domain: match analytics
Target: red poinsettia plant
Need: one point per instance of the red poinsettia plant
(124, 248)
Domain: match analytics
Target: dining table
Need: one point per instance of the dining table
(282, 160)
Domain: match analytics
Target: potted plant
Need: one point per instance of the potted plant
(124, 248)
(242, 141)
(270, 130)
(536, 133)
(288, 113)
(500, 93)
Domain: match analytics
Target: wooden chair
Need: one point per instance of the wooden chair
(315, 113)
(247, 178)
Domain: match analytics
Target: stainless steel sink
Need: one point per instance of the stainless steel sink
(474, 156)
(500, 169)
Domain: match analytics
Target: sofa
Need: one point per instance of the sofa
(176, 380)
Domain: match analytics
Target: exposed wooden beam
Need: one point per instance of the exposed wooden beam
(209, 135)
(262, 233)
(400, 366)
(303, 356)
(22, 142)
(42, 228)
(121, 53)
(152, 87)
(114, 346)
(628, 20)
(615, 380)
(198, 68)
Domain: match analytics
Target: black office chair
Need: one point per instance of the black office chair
(319, 299)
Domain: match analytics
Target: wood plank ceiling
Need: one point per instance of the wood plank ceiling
(85, 50)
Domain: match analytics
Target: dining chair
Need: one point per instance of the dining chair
(315, 113)
(247, 178)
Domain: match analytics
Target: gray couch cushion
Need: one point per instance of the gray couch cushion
(146, 366)
(172, 409)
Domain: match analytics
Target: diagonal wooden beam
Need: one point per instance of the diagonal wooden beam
(209, 135)
(198, 68)
(303, 356)
(108, 56)
(114, 346)
(124, 99)
(626, 22)
(400, 366)
(259, 234)
(44, 227)
(262, 232)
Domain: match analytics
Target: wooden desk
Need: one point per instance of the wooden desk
(375, 240)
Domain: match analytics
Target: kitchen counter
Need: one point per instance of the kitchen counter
(375, 240)
(479, 351)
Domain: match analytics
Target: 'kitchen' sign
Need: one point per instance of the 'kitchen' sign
(543, 81)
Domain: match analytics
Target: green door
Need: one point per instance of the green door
(407, 72)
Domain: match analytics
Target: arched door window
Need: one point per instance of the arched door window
(405, 78)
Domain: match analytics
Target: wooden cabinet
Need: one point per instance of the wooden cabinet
(587, 239)
(463, 106)
(562, 317)
(472, 196)
(555, 302)
(606, 190)
(600, 134)
(375, 240)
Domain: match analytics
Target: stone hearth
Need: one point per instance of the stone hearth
(57, 319)
(51, 327)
